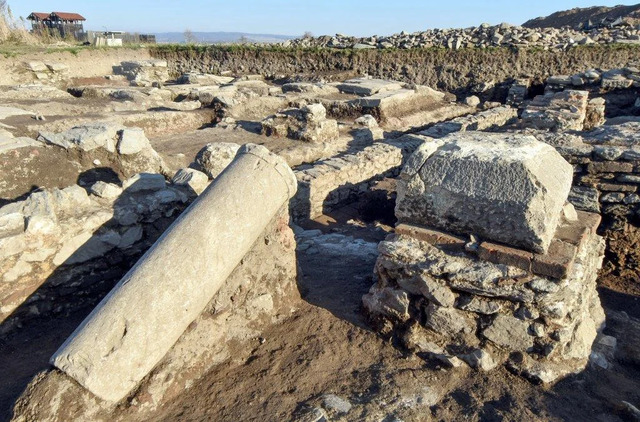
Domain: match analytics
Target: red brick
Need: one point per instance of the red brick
(590, 220)
(431, 236)
(500, 254)
(573, 232)
(557, 262)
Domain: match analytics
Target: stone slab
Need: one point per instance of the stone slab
(367, 87)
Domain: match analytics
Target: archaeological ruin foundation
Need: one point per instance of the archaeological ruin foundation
(410, 227)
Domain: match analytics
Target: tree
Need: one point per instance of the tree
(189, 38)
(307, 34)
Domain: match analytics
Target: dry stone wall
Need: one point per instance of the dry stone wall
(60, 248)
(327, 184)
(606, 170)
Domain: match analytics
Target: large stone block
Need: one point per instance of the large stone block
(501, 187)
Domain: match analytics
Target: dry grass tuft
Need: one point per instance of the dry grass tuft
(13, 31)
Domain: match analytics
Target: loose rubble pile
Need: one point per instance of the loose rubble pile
(488, 261)
(308, 124)
(144, 72)
(483, 36)
(54, 241)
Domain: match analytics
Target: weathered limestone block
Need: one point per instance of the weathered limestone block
(393, 106)
(204, 79)
(564, 110)
(367, 87)
(145, 314)
(213, 158)
(307, 124)
(132, 141)
(507, 188)
(86, 137)
(144, 70)
(196, 180)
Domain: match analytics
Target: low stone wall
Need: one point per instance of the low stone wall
(606, 175)
(483, 120)
(453, 306)
(327, 184)
(60, 248)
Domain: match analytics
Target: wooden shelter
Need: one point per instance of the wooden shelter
(63, 24)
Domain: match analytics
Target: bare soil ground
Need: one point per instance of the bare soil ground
(82, 62)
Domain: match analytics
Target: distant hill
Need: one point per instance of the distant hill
(221, 37)
(597, 15)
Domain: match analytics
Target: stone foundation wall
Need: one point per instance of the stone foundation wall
(330, 183)
(495, 117)
(606, 177)
(59, 248)
(451, 305)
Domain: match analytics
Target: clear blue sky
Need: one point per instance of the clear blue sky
(294, 17)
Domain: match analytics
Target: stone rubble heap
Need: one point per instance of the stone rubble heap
(63, 235)
(129, 146)
(308, 124)
(488, 264)
(483, 36)
(144, 72)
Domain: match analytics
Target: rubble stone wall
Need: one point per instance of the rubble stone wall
(330, 183)
(606, 179)
(59, 248)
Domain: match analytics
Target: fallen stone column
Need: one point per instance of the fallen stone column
(144, 315)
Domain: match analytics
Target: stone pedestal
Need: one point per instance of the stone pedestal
(487, 282)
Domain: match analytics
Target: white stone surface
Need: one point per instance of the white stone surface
(132, 141)
(506, 188)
